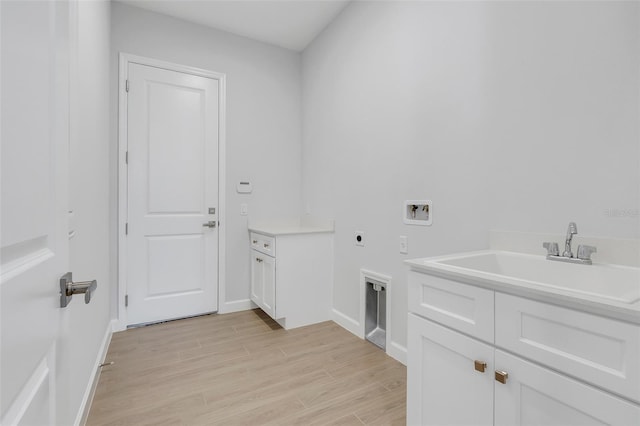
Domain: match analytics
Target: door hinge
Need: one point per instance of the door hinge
(126, 300)
(126, 86)
(126, 157)
(126, 229)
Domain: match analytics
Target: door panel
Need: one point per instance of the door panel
(269, 285)
(176, 265)
(534, 395)
(445, 388)
(177, 149)
(34, 245)
(173, 181)
(257, 279)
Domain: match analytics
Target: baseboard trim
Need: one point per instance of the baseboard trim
(236, 306)
(397, 352)
(85, 406)
(347, 323)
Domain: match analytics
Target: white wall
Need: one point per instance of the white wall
(518, 116)
(263, 119)
(85, 326)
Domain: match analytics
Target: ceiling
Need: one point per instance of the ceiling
(291, 24)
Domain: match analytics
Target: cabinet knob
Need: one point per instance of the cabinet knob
(255, 241)
(266, 245)
(502, 376)
(480, 365)
(258, 260)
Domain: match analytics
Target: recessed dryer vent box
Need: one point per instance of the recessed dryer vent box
(417, 212)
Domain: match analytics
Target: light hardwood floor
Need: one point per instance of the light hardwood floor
(243, 369)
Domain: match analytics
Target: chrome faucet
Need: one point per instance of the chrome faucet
(584, 251)
(571, 231)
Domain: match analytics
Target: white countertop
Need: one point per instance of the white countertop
(274, 230)
(591, 303)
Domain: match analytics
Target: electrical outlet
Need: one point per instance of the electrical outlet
(404, 244)
(359, 238)
(244, 209)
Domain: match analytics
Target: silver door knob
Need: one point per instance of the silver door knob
(68, 288)
(210, 224)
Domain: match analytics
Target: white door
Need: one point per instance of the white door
(450, 376)
(263, 282)
(269, 285)
(534, 395)
(257, 280)
(35, 107)
(172, 258)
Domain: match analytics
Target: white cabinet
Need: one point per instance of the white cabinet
(292, 276)
(263, 282)
(562, 367)
(534, 395)
(450, 377)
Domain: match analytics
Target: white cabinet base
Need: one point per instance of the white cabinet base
(294, 286)
(563, 369)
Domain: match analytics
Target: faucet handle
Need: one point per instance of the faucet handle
(585, 252)
(552, 249)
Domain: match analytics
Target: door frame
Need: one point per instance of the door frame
(125, 59)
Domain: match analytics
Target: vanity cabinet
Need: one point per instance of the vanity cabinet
(559, 366)
(292, 274)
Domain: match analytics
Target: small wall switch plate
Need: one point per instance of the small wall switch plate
(404, 245)
(359, 238)
(244, 209)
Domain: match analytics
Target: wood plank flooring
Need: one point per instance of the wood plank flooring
(244, 369)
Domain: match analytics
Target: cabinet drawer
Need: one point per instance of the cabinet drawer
(462, 307)
(263, 243)
(598, 350)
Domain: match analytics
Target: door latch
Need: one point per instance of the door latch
(68, 288)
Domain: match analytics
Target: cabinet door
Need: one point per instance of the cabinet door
(444, 387)
(534, 395)
(269, 285)
(257, 277)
